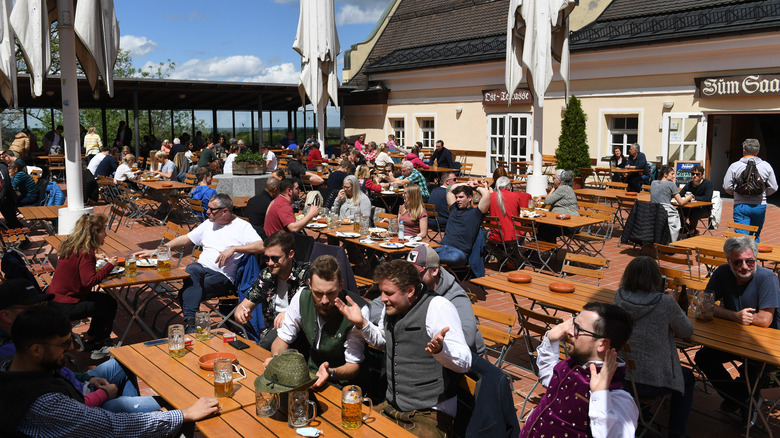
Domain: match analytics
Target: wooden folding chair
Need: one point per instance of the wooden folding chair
(586, 266)
(593, 238)
(711, 259)
(751, 230)
(650, 405)
(430, 209)
(498, 248)
(679, 258)
(528, 244)
(498, 334)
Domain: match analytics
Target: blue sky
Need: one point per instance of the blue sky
(231, 40)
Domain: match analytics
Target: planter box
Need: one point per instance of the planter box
(245, 168)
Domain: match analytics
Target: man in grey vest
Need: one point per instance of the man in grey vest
(331, 343)
(422, 375)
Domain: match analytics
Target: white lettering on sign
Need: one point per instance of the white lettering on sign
(501, 96)
(741, 85)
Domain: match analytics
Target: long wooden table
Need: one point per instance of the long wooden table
(42, 214)
(164, 185)
(392, 253)
(716, 244)
(181, 382)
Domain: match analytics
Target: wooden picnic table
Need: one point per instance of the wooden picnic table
(619, 170)
(716, 244)
(181, 382)
(114, 245)
(374, 246)
(42, 214)
(239, 201)
(164, 185)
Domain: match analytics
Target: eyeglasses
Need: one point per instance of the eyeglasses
(274, 259)
(738, 262)
(578, 330)
(65, 345)
(214, 210)
(696, 173)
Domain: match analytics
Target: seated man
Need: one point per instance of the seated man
(280, 214)
(441, 282)
(224, 237)
(637, 160)
(749, 295)
(421, 334)
(411, 176)
(464, 222)
(257, 205)
(589, 397)
(331, 343)
(109, 164)
(701, 189)
(275, 286)
(37, 400)
(439, 199)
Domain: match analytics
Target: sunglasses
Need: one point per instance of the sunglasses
(274, 259)
(578, 330)
(738, 262)
(696, 174)
(214, 210)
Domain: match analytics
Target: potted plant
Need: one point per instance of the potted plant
(249, 163)
(573, 152)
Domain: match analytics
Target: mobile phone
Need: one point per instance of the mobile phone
(155, 342)
(238, 345)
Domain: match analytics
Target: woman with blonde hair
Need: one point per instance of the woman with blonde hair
(382, 157)
(413, 214)
(77, 274)
(92, 143)
(351, 199)
(363, 174)
(167, 168)
(125, 170)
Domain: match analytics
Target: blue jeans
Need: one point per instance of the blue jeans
(128, 399)
(451, 256)
(750, 214)
(203, 284)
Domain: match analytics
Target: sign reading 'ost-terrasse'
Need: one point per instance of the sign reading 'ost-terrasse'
(493, 97)
(745, 85)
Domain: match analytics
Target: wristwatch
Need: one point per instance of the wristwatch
(333, 373)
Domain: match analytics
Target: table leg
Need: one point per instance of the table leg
(753, 405)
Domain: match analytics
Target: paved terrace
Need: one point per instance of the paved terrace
(706, 419)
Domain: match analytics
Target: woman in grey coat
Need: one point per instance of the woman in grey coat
(658, 319)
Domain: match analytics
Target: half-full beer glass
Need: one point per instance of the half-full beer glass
(223, 377)
(352, 407)
(163, 258)
(176, 340)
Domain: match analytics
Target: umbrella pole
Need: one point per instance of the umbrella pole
(321, 122)
(536, 183)
(70, 119)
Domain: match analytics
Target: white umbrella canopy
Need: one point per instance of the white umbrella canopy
(97, 43)
(30, 22)
(7, 55)
(537, 32)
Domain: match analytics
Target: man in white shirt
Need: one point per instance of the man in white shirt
(332, 345)
(95, 161)
(271, 163)
(585, 394)
(426, 351)
(224, 238)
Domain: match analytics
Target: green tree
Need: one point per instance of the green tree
(573, 152)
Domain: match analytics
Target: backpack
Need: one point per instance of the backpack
(54, 194)
(750, 183)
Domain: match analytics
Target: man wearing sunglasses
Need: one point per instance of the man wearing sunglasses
(701, 189)
(585, 392)
(749, 295)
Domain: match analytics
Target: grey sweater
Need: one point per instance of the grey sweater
(657, 320)
(563, 200)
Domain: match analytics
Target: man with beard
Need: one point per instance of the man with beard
(421, 334)
(749, 295)
(585, 394)
(319, 331)
(280, 215)
(36, 400)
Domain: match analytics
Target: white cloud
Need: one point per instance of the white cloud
(358, 14)
(239, 68)
(137, 45)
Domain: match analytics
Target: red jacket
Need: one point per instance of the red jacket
(314, 155)
(76, 276)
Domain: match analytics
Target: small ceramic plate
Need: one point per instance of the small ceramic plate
(391, 245)
(316, 225)
(561, 287)
(146, 263)
(765, 248)
(519, 277)
(387, 192)
(346, 222)
(207, 360)
(415, 244)
(348, 235)
(118, 270)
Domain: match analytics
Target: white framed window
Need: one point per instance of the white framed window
(509, 139)
(399, 130)
(428, 132)
(683, 137)
(623, 132)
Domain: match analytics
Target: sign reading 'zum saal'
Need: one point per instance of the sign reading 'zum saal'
(494, 97)
(745, 85)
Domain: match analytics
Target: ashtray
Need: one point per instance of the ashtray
(631, 193)
(563, 216)
(166, 185)
(518, 277)
(561, 287)
(765, 248)
(207, 360)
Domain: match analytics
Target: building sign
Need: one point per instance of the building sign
(496, 97)
(683, 171)
(745, 85)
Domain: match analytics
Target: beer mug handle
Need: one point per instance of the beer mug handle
(370, 407)
(313, 410)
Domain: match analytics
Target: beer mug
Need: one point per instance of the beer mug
(704, 306)
(176, 340)
(163, 258)
(298, 404)
(203, 325)
(352, 407)
(131, 266)
(266, 403)
(223, 377)
(356, 222)
(392, 227)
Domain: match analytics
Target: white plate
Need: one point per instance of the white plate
(528, 213)
(346, 222)
(387, 192)
(391, 245)
(415, 244)
(348, 235)
(146, 263)
(316, 225)
(377, 230)
(118, 270)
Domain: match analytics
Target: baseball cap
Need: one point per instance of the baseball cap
(20, 292)
(423, 257)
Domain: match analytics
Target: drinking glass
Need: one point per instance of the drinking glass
(356, 222)
(298, 412)
(203, 325)
(131, 266)
(163, 258)
(393, 227)
(223, 377)
(266, 403)
(704, 305)
(364, 226)
(352, 407)
(176, 340)
(334, 220)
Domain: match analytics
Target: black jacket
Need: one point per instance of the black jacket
(494, 410)
(647, 222)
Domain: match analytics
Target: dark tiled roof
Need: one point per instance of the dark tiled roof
(456, 52)
(622, 9)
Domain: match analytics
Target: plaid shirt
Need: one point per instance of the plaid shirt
(416, 178)
(57, 415)
(264, 288)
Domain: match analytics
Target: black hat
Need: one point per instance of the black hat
(20, 292)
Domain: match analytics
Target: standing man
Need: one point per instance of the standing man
(750, 209)
(53, 142)
(334, 347)
(421, 334)
(274, 288)
(124, 135)
(749, 295)
(280, 215)
(637, 160)
(442, 156)
(464, 222)
(585, 395)
(224, 238)
(257, 205)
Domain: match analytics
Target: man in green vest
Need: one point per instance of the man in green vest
(333, 346)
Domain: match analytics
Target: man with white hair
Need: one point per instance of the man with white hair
(412, 176)
(750, 209)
